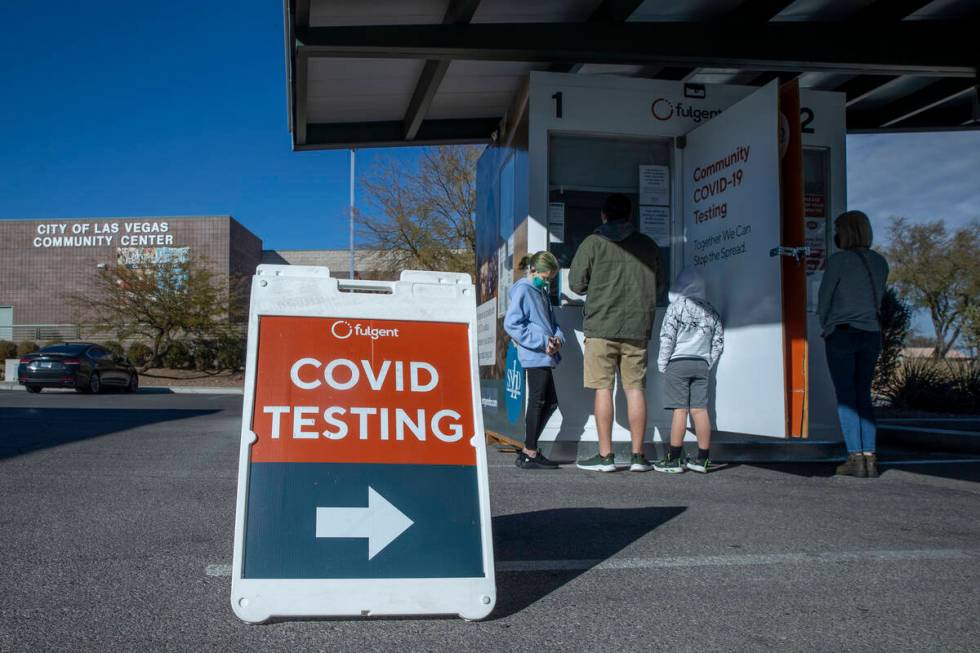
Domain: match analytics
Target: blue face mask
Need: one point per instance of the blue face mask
(539, 283)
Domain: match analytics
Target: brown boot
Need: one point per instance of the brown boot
(853, 467)
(871, 465)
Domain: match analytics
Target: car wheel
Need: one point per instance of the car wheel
(94, 383)
(134, 383)
(33, 388)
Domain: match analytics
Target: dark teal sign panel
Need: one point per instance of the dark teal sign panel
(280, 523)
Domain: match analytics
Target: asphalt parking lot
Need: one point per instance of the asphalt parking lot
(116, 518)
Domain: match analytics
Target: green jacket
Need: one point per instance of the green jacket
(618, 270)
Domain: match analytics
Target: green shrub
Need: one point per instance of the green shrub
(139, 353)
(203, 355)
(26, 347)
(231, 352)
(7, 349)
(178, 356)
(896, 315)
(115, 347)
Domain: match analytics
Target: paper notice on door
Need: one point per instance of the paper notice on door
(486, 332)
(654, 185)
(655, 223)
(556, 222)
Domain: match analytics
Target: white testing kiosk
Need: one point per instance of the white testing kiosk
(703, 165)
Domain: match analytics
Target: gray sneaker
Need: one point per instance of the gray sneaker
(639, 463)
(700, 465)
(598, 463)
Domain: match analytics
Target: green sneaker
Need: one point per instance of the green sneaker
(598, 463)
(639, 463)
(669, 465)
(701, 466)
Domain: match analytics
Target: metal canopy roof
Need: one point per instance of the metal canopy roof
(367, 73)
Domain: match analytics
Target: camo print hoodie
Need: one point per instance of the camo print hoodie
(691, 328)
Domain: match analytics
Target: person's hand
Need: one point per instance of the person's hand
(554, 344)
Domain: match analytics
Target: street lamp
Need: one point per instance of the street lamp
(352, 213)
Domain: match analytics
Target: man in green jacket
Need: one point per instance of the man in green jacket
(618, 269)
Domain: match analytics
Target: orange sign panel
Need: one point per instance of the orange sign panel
(362, 391)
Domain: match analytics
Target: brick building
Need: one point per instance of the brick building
(42, 262)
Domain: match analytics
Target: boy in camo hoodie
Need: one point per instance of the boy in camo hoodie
(691, 340)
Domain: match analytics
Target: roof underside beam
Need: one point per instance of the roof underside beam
(609, 11)
(459, 12)
(897, 113)
(391, 133)
(908, 47)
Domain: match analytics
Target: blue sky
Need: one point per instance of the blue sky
(133, 108)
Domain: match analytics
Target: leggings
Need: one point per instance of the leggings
(542, 401)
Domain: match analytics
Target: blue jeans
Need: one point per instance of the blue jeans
(851, 356)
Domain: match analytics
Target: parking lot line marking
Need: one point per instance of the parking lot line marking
(217, 571)
(727, 560)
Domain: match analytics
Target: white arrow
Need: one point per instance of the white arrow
(381, 523)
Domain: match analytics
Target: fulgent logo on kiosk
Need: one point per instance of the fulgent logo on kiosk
(342, 330)
(663, 109)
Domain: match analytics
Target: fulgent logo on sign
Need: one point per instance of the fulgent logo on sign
(342, 330)
(664, 109)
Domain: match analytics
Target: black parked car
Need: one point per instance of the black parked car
(81, 365)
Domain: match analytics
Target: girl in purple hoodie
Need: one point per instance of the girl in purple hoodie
(530, 322)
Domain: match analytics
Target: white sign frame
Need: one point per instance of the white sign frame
(308, 291)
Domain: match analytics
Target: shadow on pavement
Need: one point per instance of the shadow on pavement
(23, 430)
(583, 537)
(806, 470)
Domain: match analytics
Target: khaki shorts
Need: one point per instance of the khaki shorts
(603, 357)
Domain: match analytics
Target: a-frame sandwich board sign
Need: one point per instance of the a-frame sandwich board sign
(362, 484)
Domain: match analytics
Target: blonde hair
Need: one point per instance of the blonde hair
(853, 230)
(540, 262)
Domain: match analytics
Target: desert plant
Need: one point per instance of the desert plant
(964, 379)
(936, 386)
(8, 349)
(115, 347)
(26, 347)
(139, 354)
(919, 384)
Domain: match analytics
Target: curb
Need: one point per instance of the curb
(935, 439)
(153, 389)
